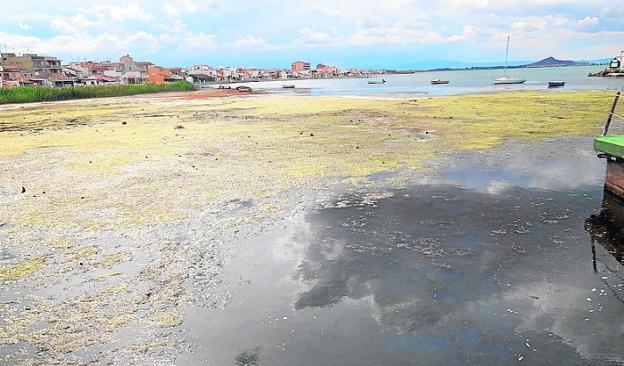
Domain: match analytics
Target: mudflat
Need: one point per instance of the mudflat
(121, 214)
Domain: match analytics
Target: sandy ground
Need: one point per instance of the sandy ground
(120, 213)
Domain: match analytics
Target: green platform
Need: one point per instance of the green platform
(611, 145)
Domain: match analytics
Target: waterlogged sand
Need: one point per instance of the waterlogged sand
(132, 207)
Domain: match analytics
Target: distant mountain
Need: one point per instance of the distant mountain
(550, 62)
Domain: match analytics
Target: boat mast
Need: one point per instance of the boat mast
(506, 55)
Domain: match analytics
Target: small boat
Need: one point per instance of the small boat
(507, 80)
(243, 89)
(288, 86)
(556, 84)
(376, 82)
(224, 87)
(439, 82)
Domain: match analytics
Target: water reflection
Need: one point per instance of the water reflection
(453, 269)
(607, 228)
(437, 274)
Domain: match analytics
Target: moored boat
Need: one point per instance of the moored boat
(288, 86)
(439, 82)
(556, 84)
(243, 89)
(508, 80)
(375, 82)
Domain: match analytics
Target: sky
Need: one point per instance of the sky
(392, 34)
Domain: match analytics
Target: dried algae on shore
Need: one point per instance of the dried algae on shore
(156, 190)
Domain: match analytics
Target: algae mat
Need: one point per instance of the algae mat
(118, 213)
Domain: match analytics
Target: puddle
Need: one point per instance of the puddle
(449, 273)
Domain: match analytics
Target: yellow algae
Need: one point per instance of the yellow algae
(116, 321)
(83, 253)
(113, 258)
(24, 269)
(167, 319)
(258, 146)
(147, 346)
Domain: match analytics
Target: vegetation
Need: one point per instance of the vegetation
(31, 94)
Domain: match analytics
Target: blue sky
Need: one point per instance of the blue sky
(347, 33)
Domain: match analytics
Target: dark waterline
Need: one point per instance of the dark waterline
(489, 264)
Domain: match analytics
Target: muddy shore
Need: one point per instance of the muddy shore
(124, 221)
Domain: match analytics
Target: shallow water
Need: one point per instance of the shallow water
(452, 272)
(461, 82)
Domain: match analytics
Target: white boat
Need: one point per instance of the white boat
(506, 80)
(509, 80)
(439, 82)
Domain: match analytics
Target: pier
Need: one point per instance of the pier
(612, 148)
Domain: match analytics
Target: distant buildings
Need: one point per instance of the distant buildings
(617, 63)
(33, 69)
(325, 71)
(300, 66)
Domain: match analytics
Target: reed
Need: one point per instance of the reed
(31, 94)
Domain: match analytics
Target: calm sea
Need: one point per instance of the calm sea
(461, 82)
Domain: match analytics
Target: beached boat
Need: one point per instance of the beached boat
(224, 87)
(556, 84)
(376, 82)
(439, 82)
(506, 80)
(288, 86)
(243, 89)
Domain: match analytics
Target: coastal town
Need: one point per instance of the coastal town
(37, 70)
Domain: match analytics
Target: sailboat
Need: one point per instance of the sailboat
(508, 79)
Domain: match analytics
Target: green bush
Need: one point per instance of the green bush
(30, 94)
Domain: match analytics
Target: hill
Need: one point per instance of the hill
(550, 62)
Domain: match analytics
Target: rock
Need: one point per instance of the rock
(23, 189)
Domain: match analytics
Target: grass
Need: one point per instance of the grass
(31, 94)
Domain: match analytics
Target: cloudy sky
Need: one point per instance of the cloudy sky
(272, 33)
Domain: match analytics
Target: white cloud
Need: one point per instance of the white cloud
(63, 25)
(308, 36)
(131, 11)
(197, 41)
(536, 26)
(177, 8)
(589, 21)
(249, 41)
(82, 44)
